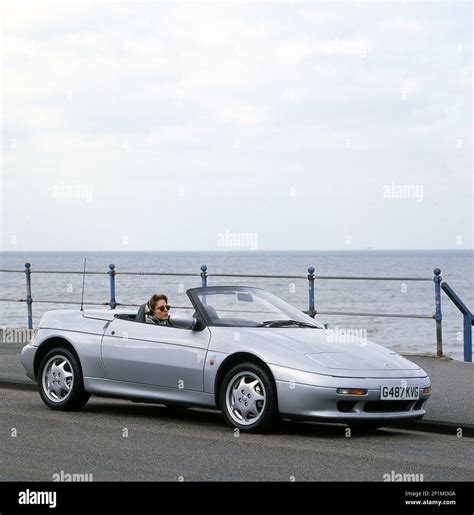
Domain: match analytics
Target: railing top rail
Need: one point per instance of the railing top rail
(358, 314)
(372, 278)
(455, 299)
(54, 272)
(253, 276)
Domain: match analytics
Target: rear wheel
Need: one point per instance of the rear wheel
(60, 380)
(248, 398)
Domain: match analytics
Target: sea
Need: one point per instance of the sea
(342, 295)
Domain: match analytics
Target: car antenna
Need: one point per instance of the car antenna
(83, 281)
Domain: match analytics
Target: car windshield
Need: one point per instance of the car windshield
(240, 306)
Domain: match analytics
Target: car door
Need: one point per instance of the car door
(153, 354)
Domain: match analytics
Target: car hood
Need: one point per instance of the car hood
(322, 353)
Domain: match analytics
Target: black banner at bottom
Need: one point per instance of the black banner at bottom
(237, 497)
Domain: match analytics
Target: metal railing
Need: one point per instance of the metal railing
(468, 320)
(311, 277)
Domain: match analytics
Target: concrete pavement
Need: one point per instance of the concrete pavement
(119, 440)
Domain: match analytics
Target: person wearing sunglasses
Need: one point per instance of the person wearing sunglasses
(157, 310)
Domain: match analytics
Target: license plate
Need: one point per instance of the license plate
(401, 393)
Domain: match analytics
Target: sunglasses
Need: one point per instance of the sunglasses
(162, 308)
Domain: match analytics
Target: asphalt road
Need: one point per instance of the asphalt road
(198, 445)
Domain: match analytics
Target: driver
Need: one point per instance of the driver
(157, 310)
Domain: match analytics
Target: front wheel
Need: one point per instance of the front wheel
(248, 398)
(60, 381)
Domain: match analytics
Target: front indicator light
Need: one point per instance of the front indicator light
(351, 391)
(427, 390)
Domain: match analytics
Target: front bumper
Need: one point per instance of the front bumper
(323, 403)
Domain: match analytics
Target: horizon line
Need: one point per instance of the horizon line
(248, 250)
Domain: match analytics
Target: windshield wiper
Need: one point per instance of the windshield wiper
(284, 323)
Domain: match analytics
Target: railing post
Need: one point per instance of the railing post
(468, 337)
(29, 299)
(112, 303)
(204, 282)
(438, 316)
(204, 276)
(311, 310)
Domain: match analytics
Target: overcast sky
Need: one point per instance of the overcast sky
(195, 126)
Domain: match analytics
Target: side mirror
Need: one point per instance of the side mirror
(326, 326)
(183, 321)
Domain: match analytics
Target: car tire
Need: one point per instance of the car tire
(60, 381)
(248, 398)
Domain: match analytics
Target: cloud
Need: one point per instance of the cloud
(234, 103)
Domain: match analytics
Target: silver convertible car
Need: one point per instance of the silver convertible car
(243, 351)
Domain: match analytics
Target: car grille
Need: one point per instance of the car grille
(419, 404)
(346, 406)
(380, 406)
(386, 406)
